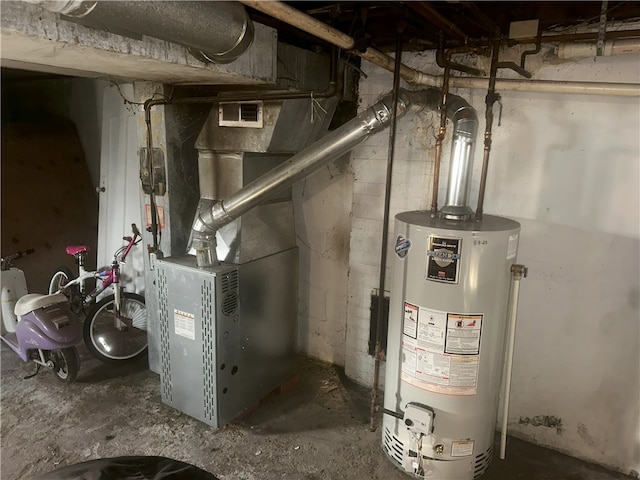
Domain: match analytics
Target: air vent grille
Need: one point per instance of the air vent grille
(249, 112)
(208, 348)
(240, 114)
(393, 446)
(230, 304)
(165, 351)
(229, 282)
(483, 460)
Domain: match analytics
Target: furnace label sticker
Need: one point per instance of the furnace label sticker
(444, 355)
(184, 324)
(463, 334)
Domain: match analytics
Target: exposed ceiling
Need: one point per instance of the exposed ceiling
(458, 23)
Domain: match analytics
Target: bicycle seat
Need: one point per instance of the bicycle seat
(34, 301)
(77, 249)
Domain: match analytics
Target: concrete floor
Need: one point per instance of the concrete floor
(317, 430)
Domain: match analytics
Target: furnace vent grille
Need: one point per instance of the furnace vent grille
(229, 281)
(208, 349)
(230, 304)
(482, 462)
(165, 353)
(241, 114)
(393, 446)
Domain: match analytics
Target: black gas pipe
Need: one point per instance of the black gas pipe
(385, 226)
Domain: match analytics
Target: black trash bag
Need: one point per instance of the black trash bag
(129, 468)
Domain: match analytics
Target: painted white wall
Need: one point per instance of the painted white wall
(567, 168)
(322, 205)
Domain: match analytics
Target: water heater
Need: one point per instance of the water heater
(446, 340)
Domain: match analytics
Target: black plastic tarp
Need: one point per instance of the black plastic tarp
(129, 468)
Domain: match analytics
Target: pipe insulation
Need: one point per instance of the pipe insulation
(211, 217)
(217, 32)
(627, 46)
(314, 27)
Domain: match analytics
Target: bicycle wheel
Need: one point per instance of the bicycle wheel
(65, 363)
(110, 341)
(57, 284)
(59, 279)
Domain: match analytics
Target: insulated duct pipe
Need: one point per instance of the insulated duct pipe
(335, 37)
(217, 32)
(210, 218)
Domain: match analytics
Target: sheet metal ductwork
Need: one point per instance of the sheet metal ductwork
(213, 216)
(217, 32)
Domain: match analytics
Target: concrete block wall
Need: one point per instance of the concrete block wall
(322, 203)
(411, 189)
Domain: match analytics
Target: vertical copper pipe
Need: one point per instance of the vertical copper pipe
(439, 139)
(490, 99)
(441, 132)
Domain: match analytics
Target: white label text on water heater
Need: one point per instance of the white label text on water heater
(441, 350)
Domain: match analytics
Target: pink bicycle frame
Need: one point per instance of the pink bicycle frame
(111, 277)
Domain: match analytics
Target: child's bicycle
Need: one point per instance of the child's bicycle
(115, 328)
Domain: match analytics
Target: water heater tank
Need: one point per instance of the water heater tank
(445, 345)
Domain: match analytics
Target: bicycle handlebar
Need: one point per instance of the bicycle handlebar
(135, 230)
(6, 261)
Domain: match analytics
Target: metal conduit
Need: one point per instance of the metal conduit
(314, 27)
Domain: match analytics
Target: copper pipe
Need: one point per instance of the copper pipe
(490, 99)
(439, 139)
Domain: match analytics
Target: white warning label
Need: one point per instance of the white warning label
(184, 324)
(462, 448)
(463, 334)
(441, 350)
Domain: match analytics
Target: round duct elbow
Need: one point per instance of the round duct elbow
(244, 41)
(216, 32)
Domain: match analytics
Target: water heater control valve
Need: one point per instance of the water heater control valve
(418, 418)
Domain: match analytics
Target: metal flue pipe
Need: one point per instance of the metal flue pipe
(210, 218)
(328, 148)
(465, 127)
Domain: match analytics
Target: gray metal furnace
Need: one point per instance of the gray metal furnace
(228, 310)
(227, 333)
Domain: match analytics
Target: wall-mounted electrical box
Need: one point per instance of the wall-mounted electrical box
(240, 114)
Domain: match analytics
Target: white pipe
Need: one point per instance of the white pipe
(321, 30)
(518, 271)
(551, 86)
(590, 49)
